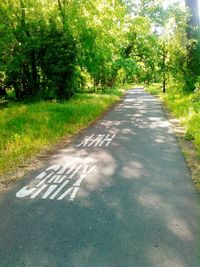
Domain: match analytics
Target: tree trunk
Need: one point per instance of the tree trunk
(164, 82)
(164, 68)
(34, 75)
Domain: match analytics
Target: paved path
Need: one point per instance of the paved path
(120, 195)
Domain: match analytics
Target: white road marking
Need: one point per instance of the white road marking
(39, 191)
(54, 168)
(66, 193)
(48, 176)
(107, 140)
(49, 191)
(73, 195)
(24, 192)
(59, 189)
(76, 185)
(83, 175)
(53, 182)
(71, 169)
(98, 140)
(85, 142)
(54, 178)
(41, 175)
(57, 179)
(62, 178)
(63, 169)
(76, 170)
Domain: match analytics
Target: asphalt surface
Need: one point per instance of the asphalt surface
(120, 195)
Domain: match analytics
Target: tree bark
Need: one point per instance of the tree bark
(164, 68)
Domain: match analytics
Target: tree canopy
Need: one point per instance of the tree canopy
(50, 49)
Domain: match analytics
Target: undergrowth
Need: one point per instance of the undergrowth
(184, 106)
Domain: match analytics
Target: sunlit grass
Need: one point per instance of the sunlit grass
(185, 106)
(154, 89)
(28, 128)
(128, 86)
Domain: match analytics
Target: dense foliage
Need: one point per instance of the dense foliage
(50, 49)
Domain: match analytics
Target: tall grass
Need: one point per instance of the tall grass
(185, 106)
(28, 128)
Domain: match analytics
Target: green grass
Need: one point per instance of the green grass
(154, 89)
(128, 86)
(185, 106)
(28, 128)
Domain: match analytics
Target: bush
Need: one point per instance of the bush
(58, 63)
(43, 63)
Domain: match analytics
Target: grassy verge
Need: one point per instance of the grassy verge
(186, 108)
(28, 128)
(128, 86)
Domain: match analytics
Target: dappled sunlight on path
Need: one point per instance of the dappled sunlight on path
(137, 206)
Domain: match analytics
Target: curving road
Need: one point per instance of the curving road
(120, 195)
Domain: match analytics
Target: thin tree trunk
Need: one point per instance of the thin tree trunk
(164, 82)
(34, 75)
(164, 69)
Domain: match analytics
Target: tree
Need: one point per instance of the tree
(98, 31)
(193, 47)
(52, 43)
(41, 54)
(193, 20)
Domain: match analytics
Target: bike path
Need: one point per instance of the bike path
(120, 195)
